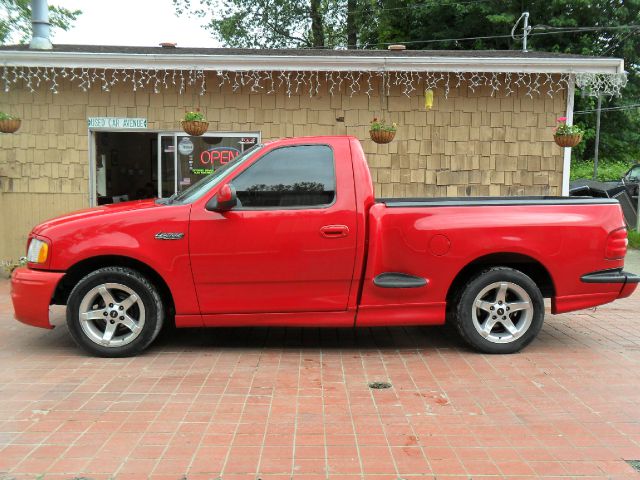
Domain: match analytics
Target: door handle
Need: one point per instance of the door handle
(334, 231)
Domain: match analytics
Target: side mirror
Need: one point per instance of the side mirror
(224, 200)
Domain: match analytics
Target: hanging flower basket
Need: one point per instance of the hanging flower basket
(9, 124)
(194, 123)
(382, 136)
(568, 140)
(381, 132)
(567, 135)
(195, 128)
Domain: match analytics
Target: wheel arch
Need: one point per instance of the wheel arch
(524, 263)
(79, 270)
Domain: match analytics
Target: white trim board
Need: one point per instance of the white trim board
(566, 152)
(310, 63)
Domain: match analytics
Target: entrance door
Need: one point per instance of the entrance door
(125, 166)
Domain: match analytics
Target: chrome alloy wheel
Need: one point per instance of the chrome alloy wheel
(111, 315)
(502, 312)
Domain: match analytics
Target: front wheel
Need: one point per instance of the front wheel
(114, 312)
(501, 310)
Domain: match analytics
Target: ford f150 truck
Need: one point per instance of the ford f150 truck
(290, 234)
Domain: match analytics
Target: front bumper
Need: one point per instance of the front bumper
(31, 293)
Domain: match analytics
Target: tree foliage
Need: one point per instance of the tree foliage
(275, 23)
(15, 20)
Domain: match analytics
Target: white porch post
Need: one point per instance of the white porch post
(566, 166)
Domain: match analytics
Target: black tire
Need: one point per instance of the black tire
(135, 316)
(504, 330)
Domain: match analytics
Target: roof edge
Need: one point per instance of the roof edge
(310, 63)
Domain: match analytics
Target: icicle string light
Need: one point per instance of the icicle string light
(595, 84)
(310, 82)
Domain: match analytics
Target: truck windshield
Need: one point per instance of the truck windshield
(199, 188)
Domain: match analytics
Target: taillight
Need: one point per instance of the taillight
(616, 244)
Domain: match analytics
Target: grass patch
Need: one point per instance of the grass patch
(634, 238)
(607, 171)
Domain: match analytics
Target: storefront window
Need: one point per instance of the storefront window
(136, 165)
(201, 156)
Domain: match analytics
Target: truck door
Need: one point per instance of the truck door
(290, 243)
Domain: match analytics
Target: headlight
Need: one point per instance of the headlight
(38, 251)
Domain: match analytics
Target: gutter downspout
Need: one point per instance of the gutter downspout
(40, 39)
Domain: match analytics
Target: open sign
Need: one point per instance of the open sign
(218, 155)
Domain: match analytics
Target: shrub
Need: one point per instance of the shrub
(607, 170)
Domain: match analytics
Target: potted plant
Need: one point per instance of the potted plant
(194, 123)
(382, 132)
(567, 135)
(9, 123)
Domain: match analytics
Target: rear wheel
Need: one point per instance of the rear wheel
(501, 310)
(114, 312)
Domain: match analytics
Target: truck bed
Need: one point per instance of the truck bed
(492, 201)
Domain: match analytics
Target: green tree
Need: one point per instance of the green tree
(276, 23)
(15, 20)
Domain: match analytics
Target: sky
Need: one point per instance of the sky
(131, 22)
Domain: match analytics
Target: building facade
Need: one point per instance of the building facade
(102, 125)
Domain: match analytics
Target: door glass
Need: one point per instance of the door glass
(200, 156)
(299, 176)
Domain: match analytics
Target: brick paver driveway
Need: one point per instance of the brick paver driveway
(266, 403)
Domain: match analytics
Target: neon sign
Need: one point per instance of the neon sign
(218, 155)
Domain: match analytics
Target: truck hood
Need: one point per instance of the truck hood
(88, 213)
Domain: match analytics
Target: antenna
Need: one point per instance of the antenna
(525, 30)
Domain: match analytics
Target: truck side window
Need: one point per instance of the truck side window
(297, 176)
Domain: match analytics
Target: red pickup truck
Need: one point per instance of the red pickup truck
(290, 234)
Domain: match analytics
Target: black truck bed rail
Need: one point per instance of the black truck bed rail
(492, 201)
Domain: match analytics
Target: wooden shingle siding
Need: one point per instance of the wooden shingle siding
(469, 144)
